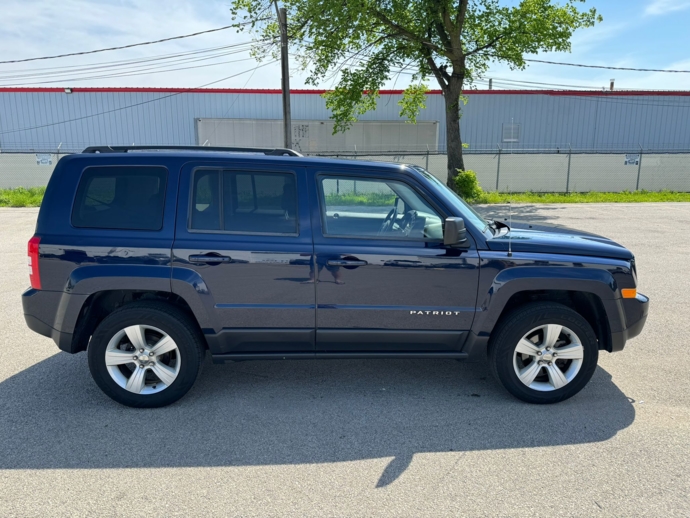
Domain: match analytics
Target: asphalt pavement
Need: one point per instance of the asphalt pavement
(361, 438)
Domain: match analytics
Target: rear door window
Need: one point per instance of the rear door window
(244, 202)
(121, 197)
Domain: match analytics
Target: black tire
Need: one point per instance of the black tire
(174, 322)
(521, 321)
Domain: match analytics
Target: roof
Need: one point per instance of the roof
(569, 93)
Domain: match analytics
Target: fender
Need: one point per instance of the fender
(87, 280)
(598, 281)
(184, 282)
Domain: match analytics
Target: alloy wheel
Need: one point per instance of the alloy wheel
(548, 357)
(142, 359)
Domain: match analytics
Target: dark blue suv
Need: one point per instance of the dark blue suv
(146, 259)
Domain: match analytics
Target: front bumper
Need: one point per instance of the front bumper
(635, 313)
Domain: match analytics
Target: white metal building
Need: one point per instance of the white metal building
(47, 118)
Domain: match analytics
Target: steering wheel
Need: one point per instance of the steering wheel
(408, 221)
(387, 224)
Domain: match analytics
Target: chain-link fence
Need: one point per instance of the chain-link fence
(497, 170)
(559, 170)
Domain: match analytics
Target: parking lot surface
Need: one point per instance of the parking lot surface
(361, 438)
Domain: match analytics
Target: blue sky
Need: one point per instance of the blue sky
(635, 33)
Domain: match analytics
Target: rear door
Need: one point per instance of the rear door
(243, 238)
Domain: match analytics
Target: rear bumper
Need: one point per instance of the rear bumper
(62, 340)
(52, 314)
(636, 311)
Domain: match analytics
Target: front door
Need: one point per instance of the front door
(244, 237)
(384, 280)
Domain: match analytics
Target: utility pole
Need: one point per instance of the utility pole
(491, 84)
(612, 82)
(285, 72)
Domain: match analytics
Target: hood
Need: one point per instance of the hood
(557, 239)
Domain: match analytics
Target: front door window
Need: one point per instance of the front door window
(386, 209)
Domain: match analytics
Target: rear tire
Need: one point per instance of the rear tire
(543, 352)
(146, 354)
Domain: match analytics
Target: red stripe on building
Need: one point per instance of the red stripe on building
(569, 93)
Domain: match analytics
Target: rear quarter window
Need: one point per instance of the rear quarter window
(124, 198)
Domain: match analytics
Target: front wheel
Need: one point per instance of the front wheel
(146, 354)
(543, 352)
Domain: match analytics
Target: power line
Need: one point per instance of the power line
(511, 85)
(148, 71)
(148, 68)
(127, 64)
(620, 100)
(608, 98)
(237, 96)
(540, 83)
(134, 105)
(235, 25)
(123, 62)
(609, 68)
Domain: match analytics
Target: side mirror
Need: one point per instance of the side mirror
(455, 233)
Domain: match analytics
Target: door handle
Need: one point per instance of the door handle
(346, 262)
(208, 258)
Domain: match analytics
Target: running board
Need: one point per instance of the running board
(223, 358)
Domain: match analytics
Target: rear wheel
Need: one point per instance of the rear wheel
(146, 354)
(543, 352)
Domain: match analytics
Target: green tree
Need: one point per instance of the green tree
(369, 42)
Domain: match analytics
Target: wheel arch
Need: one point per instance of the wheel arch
(100, 304)
(587, 304)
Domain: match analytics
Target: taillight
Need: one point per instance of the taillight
(34, 274)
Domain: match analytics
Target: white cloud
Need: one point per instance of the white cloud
(659, 7)
(589, 39)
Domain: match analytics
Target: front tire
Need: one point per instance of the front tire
(543, 352)
(146, 354)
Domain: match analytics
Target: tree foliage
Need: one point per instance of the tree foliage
(365, 43)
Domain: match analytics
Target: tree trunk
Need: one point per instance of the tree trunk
(453, 142)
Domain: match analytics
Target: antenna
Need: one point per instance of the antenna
(510, 228)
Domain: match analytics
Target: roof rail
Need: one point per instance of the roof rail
(126, 149)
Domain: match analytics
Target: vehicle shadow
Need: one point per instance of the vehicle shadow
(291, 412)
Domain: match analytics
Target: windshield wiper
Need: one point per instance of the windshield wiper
(497, 226)
(492, 225)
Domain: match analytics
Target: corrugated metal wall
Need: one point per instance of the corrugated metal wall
(44, 119)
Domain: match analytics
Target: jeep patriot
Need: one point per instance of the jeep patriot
(147, 258)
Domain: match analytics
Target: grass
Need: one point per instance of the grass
(582, 197)
(32, 196)
(374, 199)
(22, 197)
(385, 200)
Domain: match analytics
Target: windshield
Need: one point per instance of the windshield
(454, 200)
